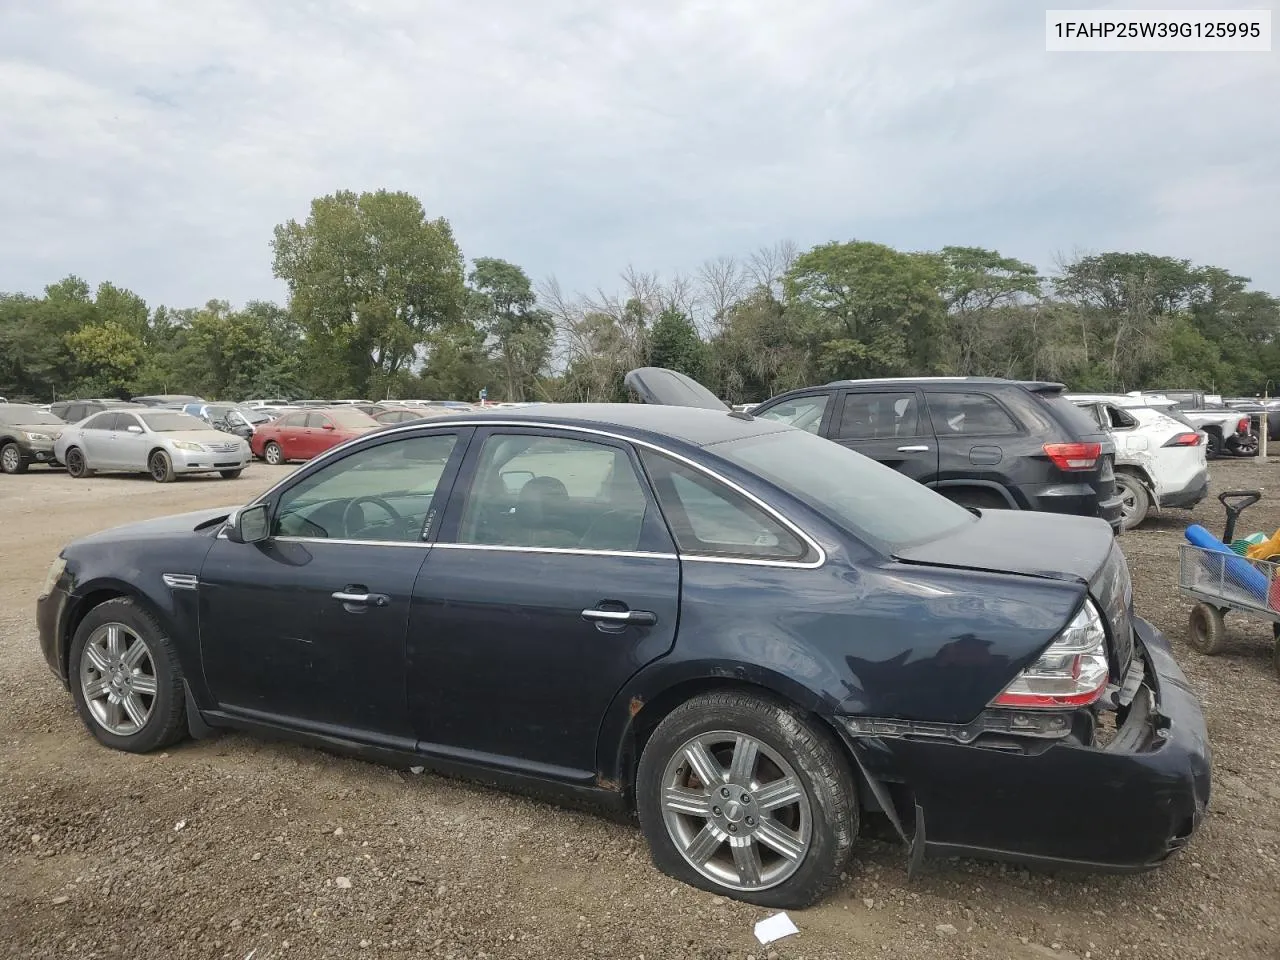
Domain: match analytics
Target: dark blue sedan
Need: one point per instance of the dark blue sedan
(750, 636)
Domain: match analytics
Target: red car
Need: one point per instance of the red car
(308, 433)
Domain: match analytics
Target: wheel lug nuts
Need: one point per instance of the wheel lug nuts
(724, 791)
(716, 811)
(733, 828)
(751, 821)
(746, 798)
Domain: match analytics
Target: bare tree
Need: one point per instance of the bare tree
(768, 265)
(722, 283)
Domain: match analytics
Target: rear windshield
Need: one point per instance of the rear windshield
(14, 413)
(866, 498)
(171, 421)
(1064, 410)
(350, 417)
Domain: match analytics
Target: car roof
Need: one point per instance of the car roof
(692, 425)
(1034, 385)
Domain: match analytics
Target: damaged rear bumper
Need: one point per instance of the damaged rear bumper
(1126, 806)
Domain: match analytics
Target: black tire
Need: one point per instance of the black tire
(12, 460)
(1206, 629)
(229, 474)
(821, 768)
(1213, 444)
(160, 467)
(273, 454)
(972, 498)
(1136, 499)
(167, 722)
(1275, 656)
(77, 467)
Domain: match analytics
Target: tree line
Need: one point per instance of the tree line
(382, 304)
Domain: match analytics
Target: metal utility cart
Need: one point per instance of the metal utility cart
(1223, 581)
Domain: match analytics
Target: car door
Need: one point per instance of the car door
(889, 426)
(95, 440)
(130, 442)
(554, 580)
(307, 627)
(978, 439)
(318, 435)
(292, 436)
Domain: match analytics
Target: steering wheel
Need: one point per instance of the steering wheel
(349, 513)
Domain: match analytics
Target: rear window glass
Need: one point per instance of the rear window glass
(1077, 421)
(969, 414)
(866, 498)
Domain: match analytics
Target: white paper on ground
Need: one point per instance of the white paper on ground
(775, 928)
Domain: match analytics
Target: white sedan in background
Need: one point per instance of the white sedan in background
(163, 443)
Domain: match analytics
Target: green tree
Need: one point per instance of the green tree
(369, 275)
(674, 343)
(109, 356)
(881, 308)
(504, 306)
(979, 287)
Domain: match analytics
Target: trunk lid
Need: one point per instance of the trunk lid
(1050, 546)
(670, 388)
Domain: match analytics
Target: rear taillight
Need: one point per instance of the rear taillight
(1074, 456)
(1244, 426)
(1072, 672)
(1184, 440)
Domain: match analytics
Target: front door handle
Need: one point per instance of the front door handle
(916, 448)
(363, 599)
(645, 618)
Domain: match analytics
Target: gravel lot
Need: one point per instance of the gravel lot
(234, 847)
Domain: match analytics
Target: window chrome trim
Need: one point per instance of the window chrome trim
(343, 540)
(575, 551)
(450, 424)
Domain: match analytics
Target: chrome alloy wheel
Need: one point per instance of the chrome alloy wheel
(12, 458)
(118, 679)
(736, 810)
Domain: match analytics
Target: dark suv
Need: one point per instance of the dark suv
(982, 442)
(73, 411)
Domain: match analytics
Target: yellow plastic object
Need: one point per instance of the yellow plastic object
(1266, 549)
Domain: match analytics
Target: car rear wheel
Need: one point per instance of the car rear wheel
(229, 474)
(743, 796)
(273, 454)
(1135, 501)
(11, 459)
(77, 468)
(1207, 629)
(125, 678)
(1212, 444)
(160, 467)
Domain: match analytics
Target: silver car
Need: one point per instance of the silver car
(163, 443)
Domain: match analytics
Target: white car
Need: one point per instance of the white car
(163, 443)
(1160, 460)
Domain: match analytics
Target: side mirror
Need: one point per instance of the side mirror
(326, 426)
(514, 480)
(248, 525)
(134, 429)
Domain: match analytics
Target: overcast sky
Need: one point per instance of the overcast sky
(155, 143)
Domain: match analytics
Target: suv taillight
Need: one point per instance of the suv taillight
(1074, 456)
(1183, 440)
(1072, 672)
(1244, 426)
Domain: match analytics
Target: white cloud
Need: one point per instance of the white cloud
(156, 144)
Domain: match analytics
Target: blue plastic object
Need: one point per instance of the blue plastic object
(1238, 569)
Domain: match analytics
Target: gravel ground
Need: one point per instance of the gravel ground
(235, 847)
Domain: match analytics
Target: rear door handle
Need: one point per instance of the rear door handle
(917, 448)
(618, 617)
(363, 599)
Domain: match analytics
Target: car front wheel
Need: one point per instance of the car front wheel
(77, 466)
(1135, 502)
(125, 678)
(273, 454)
(11, 459)
(229, 474)
(161, 467)
(744, 796)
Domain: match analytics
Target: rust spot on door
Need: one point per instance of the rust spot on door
(637, 704)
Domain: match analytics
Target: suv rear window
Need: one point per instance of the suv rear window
(866, 498)
(1077, 421)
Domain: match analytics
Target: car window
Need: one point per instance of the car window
(1093, 410)
(101, 421)
(123, 421)
(1118, 419)
(803, 412)
(878, 416)
(533, 491)
(866, 498)
(317, 420)
(969, 414)
(172, 421)
(294, 420)
(382, 493)
(708, 518)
